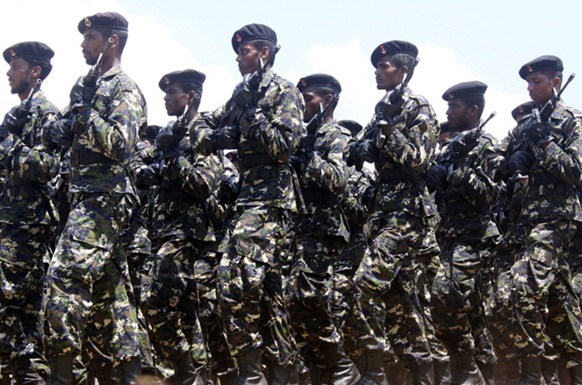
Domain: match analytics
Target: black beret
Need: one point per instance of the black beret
(319, 80)
(523, 109)
(391, 48)
(111, 20)
(465, 89)
(186, 76)
(546, 62)
(252, 32)
(28, 50)
(351, 125)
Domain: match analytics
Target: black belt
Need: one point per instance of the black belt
(175, 196)
(254, 160)
(80, 158)
(544, 178)
(461, 208)
(393, 174)
(317, 195)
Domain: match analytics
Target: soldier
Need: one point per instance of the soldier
(89, 264)
(262, 121)
(321, 232)
(400, 141)
(461, 178)
(546, 148)
(27, 215)
(180, 228)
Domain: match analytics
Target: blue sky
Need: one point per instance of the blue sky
(458, 41)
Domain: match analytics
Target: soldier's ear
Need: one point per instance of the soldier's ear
(35, 72)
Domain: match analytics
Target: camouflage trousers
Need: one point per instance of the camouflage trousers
(22, 273)
(457, 299)
(250, 286)
(311, 295)
(387, 310)
(88, 297)
(546, 307)
(170, 302)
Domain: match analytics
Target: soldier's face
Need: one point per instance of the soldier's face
(388, 76)
(176, 100)
(539, 86)
(19, 75)
(247, 59)
(312, 101)
(93, 44)
(457, 115)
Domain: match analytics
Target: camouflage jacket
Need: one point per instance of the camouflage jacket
(323, 180)
(466, 198)
(29, 165)
(403, 158)
(267, 138)
(557, 170)
(187, 181)
(106, 136)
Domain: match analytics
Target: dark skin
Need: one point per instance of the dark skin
(248, 58)
(22, 77)
(541, 87)
(462, 117)
(312, 105)
(93, 45)
(388, 77)
(176, 100)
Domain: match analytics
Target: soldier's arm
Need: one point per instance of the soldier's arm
(198, 176)
(278, 130)
(413, 142)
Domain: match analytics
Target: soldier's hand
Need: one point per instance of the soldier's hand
(228, 189)
(436, 177)
(368, 197)
(81, 94)
(226, 137)
(521, 161)
(367, 151)
(539, 133)
(61, 132)
(15, 120)
(149, 175)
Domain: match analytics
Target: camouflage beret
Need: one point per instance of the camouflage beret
(29, 50)
(252, 32)
(465, 89)
(353, 126)
(391, 48)
(546, 62)
(111, 20)
(186, 76)
(319, 80)
(523, 109)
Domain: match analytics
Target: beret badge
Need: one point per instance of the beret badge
(11, 52)
(238, 37)
(87, 22)
(383, 49)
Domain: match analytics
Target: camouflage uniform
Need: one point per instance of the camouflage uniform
(545, 306)
(181, 229)
(386, 299)
(321, 234)
(27, 223)
(466, 234)
(249, 275)
(88, 276)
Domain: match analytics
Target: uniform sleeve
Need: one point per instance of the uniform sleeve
(116, 134)
(278, 127)
(412, 144)
(327, 169)
(197, 175)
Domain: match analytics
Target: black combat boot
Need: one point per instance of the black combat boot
(24, 373)
(249, 369)
(464, 370)
(61, 369)
(283, 375)
(185, 371)
(342, 370)
(487, 373)
(374, 372)
(531, 371)
(5, 375)
(576, 375)
(550, 371)
(129, 371)
(422, 374)
(442, 373)
(396, 373)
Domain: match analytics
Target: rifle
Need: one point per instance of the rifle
(464, 143)
(26, 105)
(90, 80)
